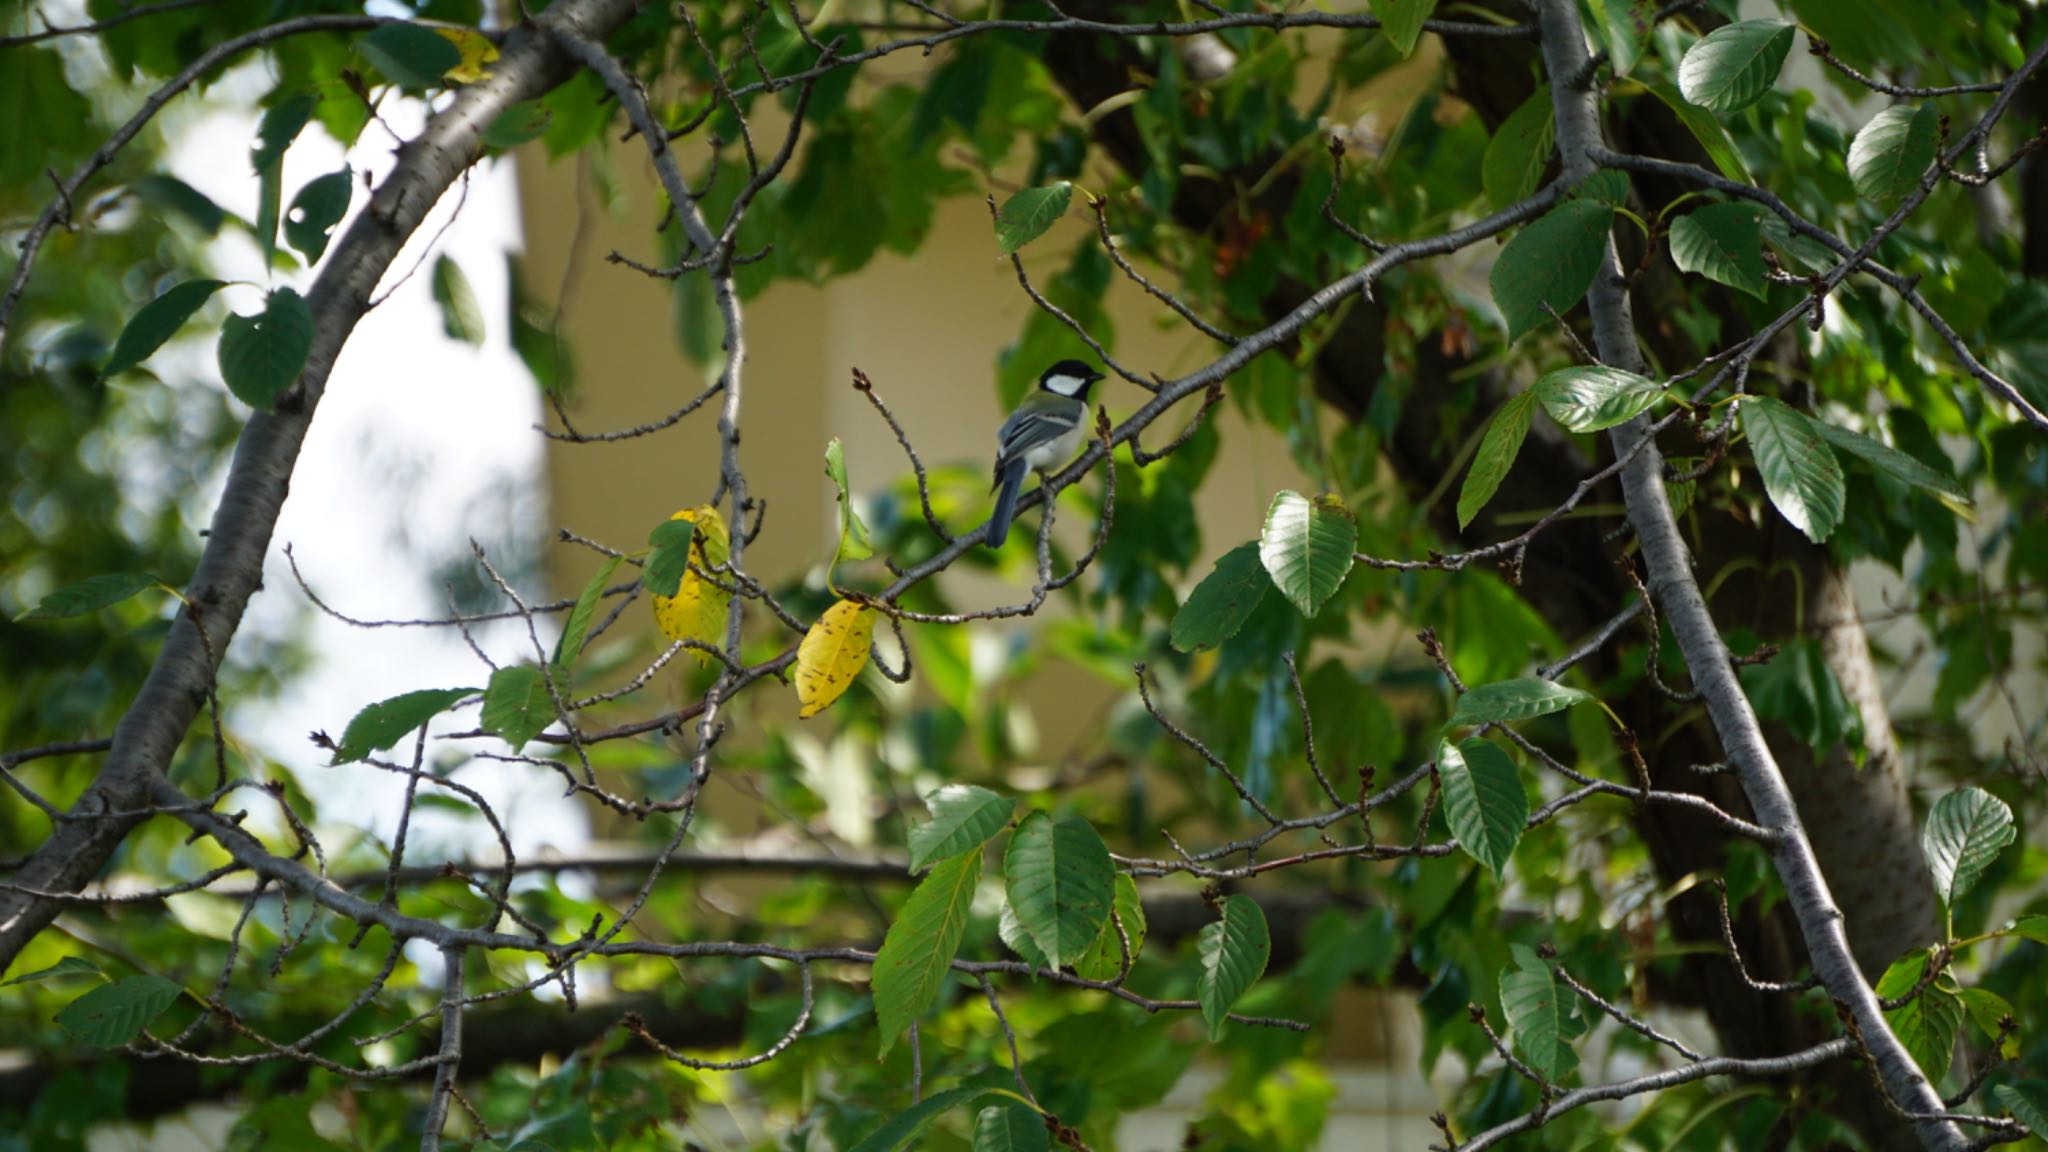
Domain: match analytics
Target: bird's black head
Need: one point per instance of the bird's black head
(1069, 378)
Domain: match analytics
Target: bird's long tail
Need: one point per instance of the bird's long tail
(1009, 483)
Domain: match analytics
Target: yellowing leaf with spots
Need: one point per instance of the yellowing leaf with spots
(832, 654)
(697, 610)
(477, 51)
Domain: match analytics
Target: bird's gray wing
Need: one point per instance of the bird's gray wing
(1027, 428)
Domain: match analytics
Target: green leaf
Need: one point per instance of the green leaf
(1222, 602)
(853, 535)
(410, 55)
(1060, 879)
(156, 322)
(1625, 26)
(1012, 932)
(1594, 397)
(1010, 1128)
(1483, 800)
(1537, 1021)
(1234, 951)
(1549, 265)
(262, 355)
(1306, 546)
(1732, 67)
(964, 817)
(281, 124)
(113, 1014)
(1891, 461)
(1517, 699)
(1027, 215)
(1519, 151)
(90, 595)
(1706, 129)
(907, 1125)
(315, 211)
(577, 626)
(1607, 186)
(517, 125)
(68, 966)
(1891, 152)
(1799, 470)
(2027, 1100)
(1796, 688)
(462, 318)
(1496, 455)
(1966, 830)
(1724, 243)
(670, 557)
(1927, 1024)
(517, 706)
(174, 195)
(1402, 21)
(1987, 1008)
(2033, 928)
(388, 721)
(1105, 958)
(911, 966)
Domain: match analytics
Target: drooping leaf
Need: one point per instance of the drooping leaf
(388, 721)
(1889, 154)
(1402, 21)
(577, 627)
(410, 55)
(1222, 602)
(1732, 67)
(1706, 129)
(1029, 214)
(517, 125)
(832, 654)
(1928, 1023)
(156, 322)
(1594, 397)
(1800, 472)
(113, 1014)
(1104, 959)
(964, 817)
(281, 124)
(462, 318)
(90, 595)
(1233, 951)
(1891, 461)
(517, 706)
(1060, 882)
(2028, 1100)
(262, 355)
(697, 611)
(1496, 455)
(1508, 700)
(1306, 546)
(318, 207)
(1010, 1127)
(853, 535)
(68, 966)
(1536, 1019)
(911, 966)
(1519, 151)
(1483, 800)
(1966, 830)
(1986, 1009)
(1724, 243)
(1549, 264)
(668, 556)
(174, 195)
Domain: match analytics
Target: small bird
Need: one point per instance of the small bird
(1039, 436)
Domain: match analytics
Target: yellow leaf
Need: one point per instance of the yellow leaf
(832, 654)
(477, 51)
(697, 610)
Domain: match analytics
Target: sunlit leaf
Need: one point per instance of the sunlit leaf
(1594, 397)
(1966, 830)
(1060, 882)
(1799, 470)
(1732, 67)
(697, 611)
(1233, 950)
(1509, 700)
(1891, 152)
(1027, 215)
(832, 654)
(1104, 959)
(1306, 546)
(964, 817)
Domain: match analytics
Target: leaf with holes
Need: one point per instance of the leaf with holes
(576, 629)
(1800, 472)
(386, 722)
(1060, 882)
(1306, 546)
(1233, 951)
(68, 966)
(1483, 800)
(90, 595)
(114, 1014)
(1732, 67)
(964, 817)
(1549, 265)
(318, 207)
(1519, 151)
(462, 318)
(1724, 243)
(517, 706)
(1402, 21)
(1594, 397)
(1104, 959)
(1536, 1019)
(1889, 154)
(1030, 213)
(1496, 455)
(1518, 699)
(1966, 830)
(832, 654)
(1222, 602)
(156, 322)
(1892, 462)
(2028, 1100)
(1009, 1127)
(262, 355)
(911, 966)
(853, 535)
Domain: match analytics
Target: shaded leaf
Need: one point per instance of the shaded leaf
(1222, 602)
(386, 722)
(1402, 21)
(1928, 1023)
(2027, 1100)
(668, 556)
(1517, 699)
(174, 195)
(1891, 461)
(315, 211)
(68, 966)
(1010, 1128)
(1496, 455)
(1060, 881)
(911, 966)
(1483, 800)
(474, 49)
(1536, 1019)
(517, 706)
(410, 55)
(1519, 151)
(1027, 215)
(1594, 397)
(1986, 1009)
(1306, 546)
(964, 817)
(853, 535)
(1706, 129)
(517, 125)
(1724, 243)
(1966, 830)
(156, 322)
(281, 124)
(833, 652)
(1549, 264)
(262, 355)
(2034, 928)
(462, 318)
(1889, 154)
(909, 1124)
(113, 1014)
(1233, 951)
(90, 595)
(1800, 472)
(1732, 67)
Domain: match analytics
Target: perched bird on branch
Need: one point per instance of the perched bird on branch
(1042, 434)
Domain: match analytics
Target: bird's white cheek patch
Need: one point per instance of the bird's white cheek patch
(1067, 385)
